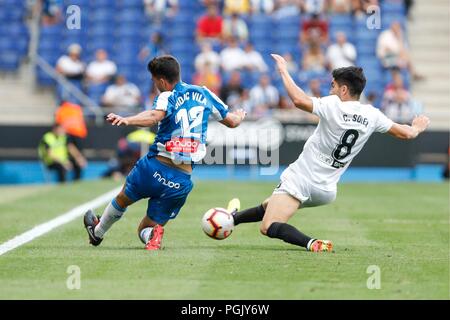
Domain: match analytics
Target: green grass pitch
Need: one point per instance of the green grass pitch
(402, 228)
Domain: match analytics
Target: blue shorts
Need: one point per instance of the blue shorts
(167, 188)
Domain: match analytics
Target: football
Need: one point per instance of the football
(217, 223)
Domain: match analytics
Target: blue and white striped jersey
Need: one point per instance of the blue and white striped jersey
(181, 134)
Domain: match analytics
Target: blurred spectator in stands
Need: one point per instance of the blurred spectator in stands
(208, 77)
(70, 65)
(128, 152)
(101, 70)
(392, 49)
(314, 89)
(232, 56)
(314, 59)
(123, 96)
(208, 3)
(150, 98)
(210, 26)
(239, 7)
(253, 60)
(286, 103)
(207, 56)
(230, 93)
(360, 7)
(157, 10)
(244, 101)
(262, 6)
(340, 6)
(154, 48)
(314, 29)
(72, 68)
(397, 103)
(51, 11)
(264, 96)
(313, 6)
(286, 8)
(235, 27)
(70, 117)
(341, 53)
(292, 66)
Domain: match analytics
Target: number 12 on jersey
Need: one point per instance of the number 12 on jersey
(190, 121)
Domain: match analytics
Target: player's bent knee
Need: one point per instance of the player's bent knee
(123, 201)
(264, 227)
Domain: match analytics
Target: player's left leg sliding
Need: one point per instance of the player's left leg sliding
(279, 210)
(97, 226)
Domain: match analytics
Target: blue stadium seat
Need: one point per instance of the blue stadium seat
(106, 14)
(133, 4)
(51, 56)
(393, 6)
(81, 3)
(290, 21)
(43, 78)
(9, 60)
(260, 22)
(366, 35)
(96, 91)
(366, 48)
(285, 33)
(48, 31)
(130, 15)
(340, 20)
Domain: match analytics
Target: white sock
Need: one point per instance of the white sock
(146, 234)
(310, 242)
(113, 212)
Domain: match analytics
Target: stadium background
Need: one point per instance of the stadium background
(382, 216)
(35, 34)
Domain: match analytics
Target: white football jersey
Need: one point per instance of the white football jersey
(343, 129)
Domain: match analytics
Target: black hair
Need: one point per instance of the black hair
(352, 77)
(166, 67)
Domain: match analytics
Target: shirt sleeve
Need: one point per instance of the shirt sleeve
(321, 106)
(219, 108)
(383, 123)
(162, 101)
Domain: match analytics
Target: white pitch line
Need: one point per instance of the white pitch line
(56, 222)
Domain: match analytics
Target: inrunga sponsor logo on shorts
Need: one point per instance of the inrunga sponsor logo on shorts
(165, 182)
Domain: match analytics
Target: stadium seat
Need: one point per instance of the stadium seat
(340, 20)
(393, 6)
(9, 60)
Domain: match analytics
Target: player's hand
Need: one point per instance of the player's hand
(116, 120)
(281, 62)
(421, 122)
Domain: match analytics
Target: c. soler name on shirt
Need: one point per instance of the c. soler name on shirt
(356, 118)
(196, 96)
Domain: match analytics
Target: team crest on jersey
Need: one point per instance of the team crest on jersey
(185, 145)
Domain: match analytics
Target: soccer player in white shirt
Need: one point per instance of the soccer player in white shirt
(344, 128)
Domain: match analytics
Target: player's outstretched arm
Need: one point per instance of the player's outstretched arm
(234, 119)
(407, 132)
(300, 99)
(147, 118)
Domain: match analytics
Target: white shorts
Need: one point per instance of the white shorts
(297, 185)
